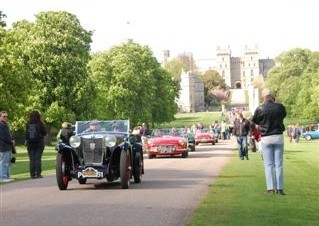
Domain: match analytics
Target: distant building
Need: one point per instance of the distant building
(191, 94)
(240, 72)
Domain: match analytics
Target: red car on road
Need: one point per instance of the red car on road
(165, 142)
(204, 136)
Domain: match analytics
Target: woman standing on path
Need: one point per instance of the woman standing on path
(35, 133)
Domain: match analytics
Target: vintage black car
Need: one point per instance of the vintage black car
(98, 150)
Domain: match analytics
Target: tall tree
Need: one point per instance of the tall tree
(57, 50)
(13, 76)
(213, 84)
(2, 22)
(295, 82)
(175, 68)
(127, 78)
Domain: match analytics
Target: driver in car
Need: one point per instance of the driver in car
(94, 126)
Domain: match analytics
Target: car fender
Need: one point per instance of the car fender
(63, 148)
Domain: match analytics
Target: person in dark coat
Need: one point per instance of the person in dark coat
(6, 144)
(269, 117)
(241, 129)
(65, 133)
(35, 146)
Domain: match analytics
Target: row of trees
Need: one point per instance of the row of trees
(47, 65)
(295, 80)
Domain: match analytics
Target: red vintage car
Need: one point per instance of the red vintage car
(204, 136)
(166, 142)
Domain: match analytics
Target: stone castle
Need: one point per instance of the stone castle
(239, 74)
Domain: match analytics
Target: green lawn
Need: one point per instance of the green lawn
(188, 119)
(237, 197)
(20, 169)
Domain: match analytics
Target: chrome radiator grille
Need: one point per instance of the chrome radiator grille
(92, 151)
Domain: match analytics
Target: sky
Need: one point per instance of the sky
(192, 26)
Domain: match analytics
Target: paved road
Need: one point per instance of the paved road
(171, 189)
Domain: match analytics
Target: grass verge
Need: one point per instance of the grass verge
(237, 197)
(20, 169)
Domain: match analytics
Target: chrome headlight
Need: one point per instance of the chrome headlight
(75, 141)
(110, 140)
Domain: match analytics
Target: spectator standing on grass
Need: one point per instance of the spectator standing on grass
(35, 133)
(241, 129)
(6, 146)
(296, 133)
(269, 117)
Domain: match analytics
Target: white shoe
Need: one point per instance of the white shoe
(6, 180)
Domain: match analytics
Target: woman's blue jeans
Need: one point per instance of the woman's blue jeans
(273, 161)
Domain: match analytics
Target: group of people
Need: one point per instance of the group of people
(34, 137)
(267, 127)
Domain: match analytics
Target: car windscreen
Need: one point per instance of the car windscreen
(121, 126)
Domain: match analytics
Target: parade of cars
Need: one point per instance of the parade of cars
(100, 150)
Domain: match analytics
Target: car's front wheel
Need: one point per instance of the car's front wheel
(308, 137)
(125, 169)
(62, 174)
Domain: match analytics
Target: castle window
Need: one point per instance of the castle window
(220, 66)
(223, 59)
(252, 72)
(225, 65)
(223, 74)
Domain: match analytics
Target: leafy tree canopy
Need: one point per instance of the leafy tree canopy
(131, 84)
(295, 80)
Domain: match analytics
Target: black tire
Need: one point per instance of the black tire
(151, 156)
(184, 154)
(138, 170)
(213, 143)
(193, 148)
(62, 174)
(308, 137)
(125, 169)
(82, 180)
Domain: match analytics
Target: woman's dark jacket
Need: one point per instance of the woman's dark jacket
(42, 133)
(269, 117)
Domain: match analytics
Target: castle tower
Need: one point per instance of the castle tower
(250, 66)
(223, 64)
